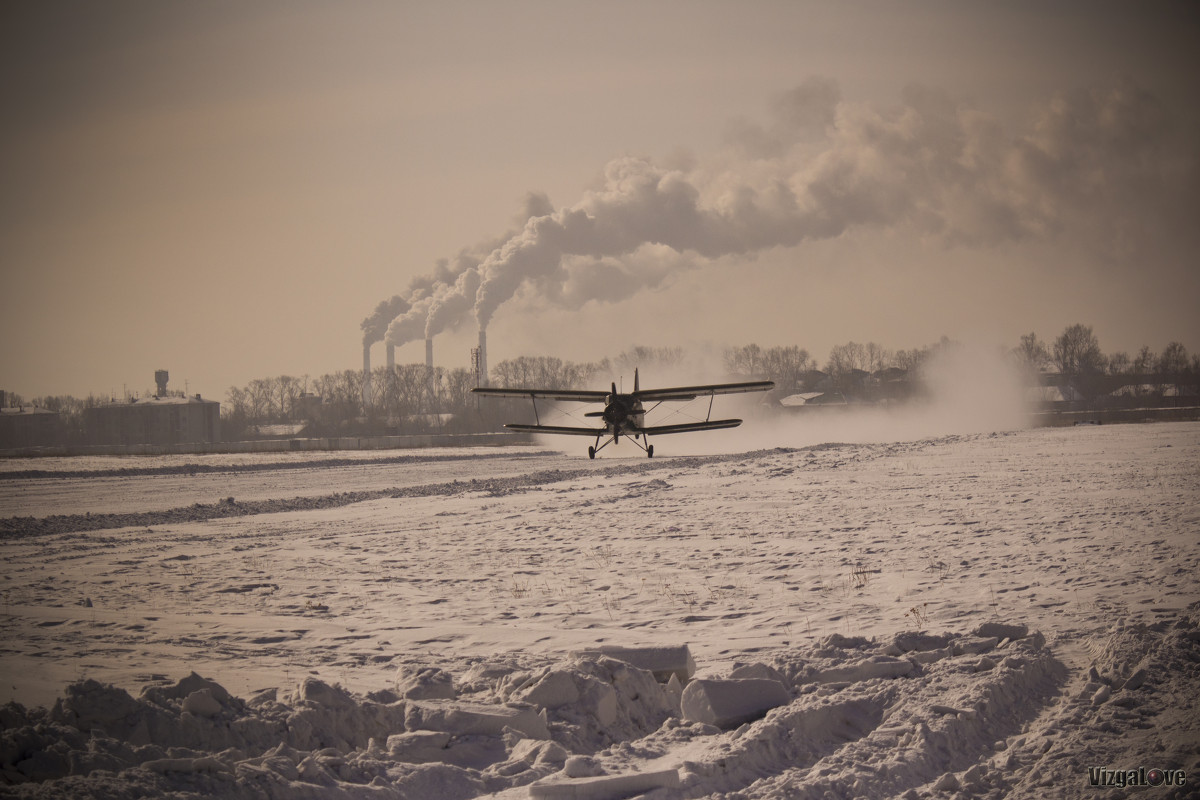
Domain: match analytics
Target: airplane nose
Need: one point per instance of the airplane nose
(615, 414)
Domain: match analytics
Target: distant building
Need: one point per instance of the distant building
(308, 406)
(30, 427)
(282, 430)
(891, 375)
(855, 378)
(811, 399)
(814, 380)
(154, 420)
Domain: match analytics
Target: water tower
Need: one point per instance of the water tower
(160, 378)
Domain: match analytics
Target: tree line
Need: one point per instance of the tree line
(1080, 365)
(1073, 359)
(414, 398)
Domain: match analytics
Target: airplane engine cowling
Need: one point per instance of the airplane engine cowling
(616, 413)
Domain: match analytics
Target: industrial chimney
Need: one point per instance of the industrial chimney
(160, 378)
(429, 352)
(391, 357)
(366, 387)
(483, 369)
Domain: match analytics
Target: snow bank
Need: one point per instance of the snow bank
(728, 703)
(481, 638)
(586, 726)
(839, 718)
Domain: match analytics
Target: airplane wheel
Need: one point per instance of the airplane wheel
(591, 451)
(649, 451)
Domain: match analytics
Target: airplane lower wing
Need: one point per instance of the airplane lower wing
(692, 392)
(654, 430)
(556, 429)
(685, 427)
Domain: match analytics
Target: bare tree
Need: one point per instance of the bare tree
(1191, 380)
(456, 390)
(1145, 363)
(287, 389)
(260, 395)
(641, 356)
(911, 360)
(1080, 360)
(786, 366)
(544, 372)
(877, 357)
(844, 358)
(847, 368)
(1119, 363)
(1032, 353)
(1173, 362)
(745, 360)
(347, 392)
(412, 389)
(1172, 367)
(1077, 351)
(237, 402)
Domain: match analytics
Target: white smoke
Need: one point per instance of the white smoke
(821, 166)
(410, 325)
(374, 327)
(453, 303)
(965, 389)
(444, 298)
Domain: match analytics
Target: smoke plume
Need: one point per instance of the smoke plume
(410, 325)
(375, 326)
(453, 304)
(444, 298)
(821, 166)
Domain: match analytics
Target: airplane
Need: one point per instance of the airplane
(625, 414)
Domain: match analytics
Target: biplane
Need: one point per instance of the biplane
(625, 414)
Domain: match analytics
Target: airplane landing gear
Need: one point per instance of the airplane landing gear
(649, 451)
(591, 451)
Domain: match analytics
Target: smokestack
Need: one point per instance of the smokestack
(429, 352)
(483, 370)
(391, 357)
(366, 387)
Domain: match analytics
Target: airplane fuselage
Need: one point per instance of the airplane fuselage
(623, 413)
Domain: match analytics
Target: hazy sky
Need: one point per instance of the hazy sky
(226, 189)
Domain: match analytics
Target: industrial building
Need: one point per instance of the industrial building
(154, 420)
(26, 427)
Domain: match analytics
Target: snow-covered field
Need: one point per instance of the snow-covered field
(988, 614)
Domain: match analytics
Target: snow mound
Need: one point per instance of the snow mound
(921, 715)
(591, 702)
(844, 717)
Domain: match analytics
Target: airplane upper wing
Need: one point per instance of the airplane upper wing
(516, 426)
(576, 395)
(692, 392)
